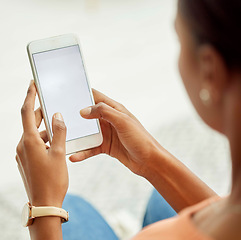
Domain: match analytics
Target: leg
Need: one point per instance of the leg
(85, 222)
(157, 209)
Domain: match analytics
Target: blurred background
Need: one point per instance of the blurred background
(131, 51)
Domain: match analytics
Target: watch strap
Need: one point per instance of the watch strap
(49, 211)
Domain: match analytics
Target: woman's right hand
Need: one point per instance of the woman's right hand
(127, 140)
(124, 137)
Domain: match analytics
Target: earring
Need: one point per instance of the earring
(205, 96)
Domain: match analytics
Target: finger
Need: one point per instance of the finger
(104, 111)
(21, 171)
(80, 156)
(38, 117)
(44, 136)
(27, 111)
(100, 97)
(59, 134)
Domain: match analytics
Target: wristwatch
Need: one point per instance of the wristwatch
(30, 212)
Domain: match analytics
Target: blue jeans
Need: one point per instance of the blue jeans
(87, 224)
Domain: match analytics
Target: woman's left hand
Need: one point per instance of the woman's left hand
(43, 169)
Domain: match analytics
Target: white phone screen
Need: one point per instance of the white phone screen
(65, 89)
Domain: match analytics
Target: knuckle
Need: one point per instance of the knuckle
(29, 91)
(30, 140)
(60, 126)
(58, 150)
(101, 108)
(100, 105)
(19, 149)
(16, 158)
(27, 141)
(24, 109)
(121, 106)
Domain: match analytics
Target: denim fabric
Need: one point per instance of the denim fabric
(157, 209)
(85, 223)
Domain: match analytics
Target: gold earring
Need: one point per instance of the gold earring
(205, 96)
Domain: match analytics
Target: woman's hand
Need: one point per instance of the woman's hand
(43, 169)
(123, 135)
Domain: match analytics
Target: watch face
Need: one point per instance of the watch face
(25, 215)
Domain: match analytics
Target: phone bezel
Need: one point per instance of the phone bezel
(48, 44)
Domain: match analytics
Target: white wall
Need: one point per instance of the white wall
(130, 51)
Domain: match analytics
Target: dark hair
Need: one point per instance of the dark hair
(216, 22)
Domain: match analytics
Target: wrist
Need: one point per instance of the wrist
(156, 163)
(47, 201)
(41, 203)
(30, 213)
(46, 228)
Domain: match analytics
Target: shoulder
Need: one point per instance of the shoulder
(177, 228)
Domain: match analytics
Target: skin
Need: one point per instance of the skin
(45, 184)
(200, 67)
(123, 139)
(203, 67)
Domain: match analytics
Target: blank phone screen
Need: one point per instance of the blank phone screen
(65, 89)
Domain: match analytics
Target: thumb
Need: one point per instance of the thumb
(59, 133)
(104, 111)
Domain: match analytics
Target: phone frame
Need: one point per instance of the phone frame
(53, 43)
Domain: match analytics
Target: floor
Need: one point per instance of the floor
(130, 50)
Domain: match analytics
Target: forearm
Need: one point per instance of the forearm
(46, 228)
(175, 182)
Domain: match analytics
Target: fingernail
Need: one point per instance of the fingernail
(58, 116)
(31, 82)
(85, 111)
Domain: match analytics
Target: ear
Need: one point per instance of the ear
(213, 72)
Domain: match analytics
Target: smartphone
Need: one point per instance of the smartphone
(62, 86)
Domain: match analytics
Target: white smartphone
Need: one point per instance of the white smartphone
(62, 86)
